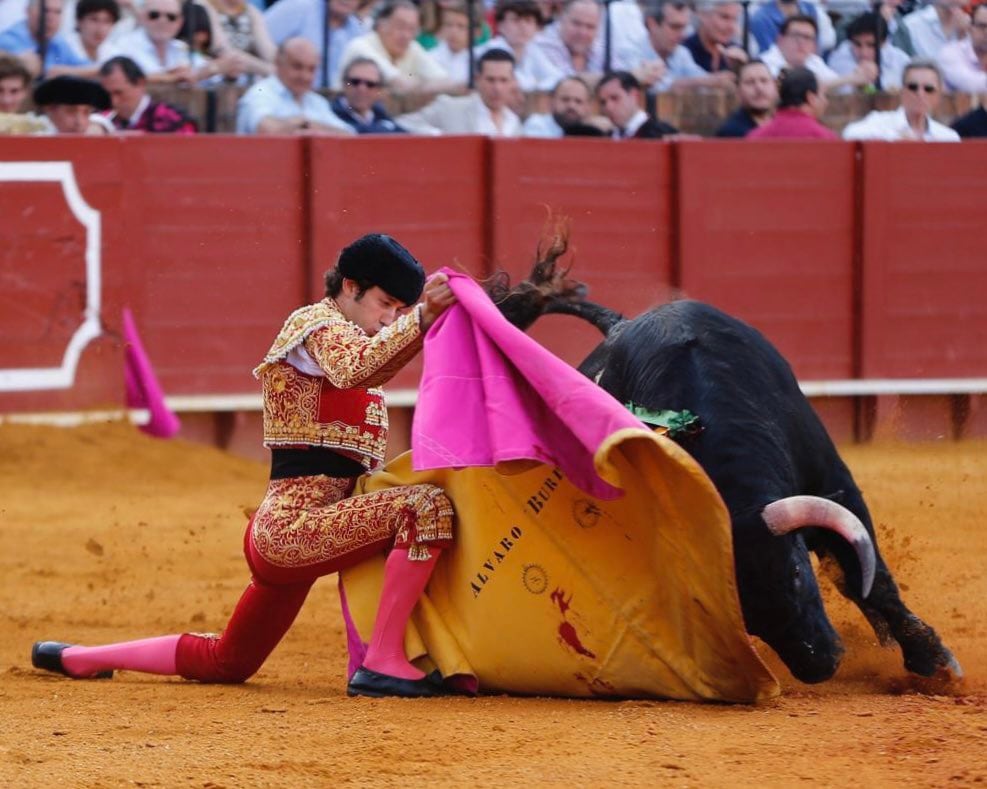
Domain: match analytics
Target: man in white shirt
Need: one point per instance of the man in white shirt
(570, 107)
(392, 46)
(913, 119)
(861, 47)
(572, 43)
(932, 27)
(153, 46)
(517, 25)
(963, 62)
(483, 112)
(796, 48)
(285, 103)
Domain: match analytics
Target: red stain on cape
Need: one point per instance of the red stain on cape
(567, 633)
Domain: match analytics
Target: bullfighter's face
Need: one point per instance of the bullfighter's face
(371, 310)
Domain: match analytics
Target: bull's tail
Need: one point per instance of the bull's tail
(603, 318)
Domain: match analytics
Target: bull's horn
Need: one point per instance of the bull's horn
(795, 512)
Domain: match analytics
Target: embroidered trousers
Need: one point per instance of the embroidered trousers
(307, 527)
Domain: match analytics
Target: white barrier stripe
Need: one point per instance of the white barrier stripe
(406, 398)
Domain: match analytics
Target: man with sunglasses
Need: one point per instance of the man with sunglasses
(359, 103)
(913, 119)
(153, 45)
(963, 62)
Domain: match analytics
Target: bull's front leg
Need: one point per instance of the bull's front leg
(922, 649)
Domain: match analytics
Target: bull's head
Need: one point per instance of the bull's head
(778, 590)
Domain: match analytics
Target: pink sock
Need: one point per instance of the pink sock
(404, 582)
(150, 655)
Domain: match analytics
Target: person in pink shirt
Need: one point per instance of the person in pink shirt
(801, 103)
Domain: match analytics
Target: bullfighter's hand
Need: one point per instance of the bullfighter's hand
(438, 298)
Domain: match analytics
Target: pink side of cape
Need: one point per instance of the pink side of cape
(489, 393)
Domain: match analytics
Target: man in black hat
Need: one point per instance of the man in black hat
(325, 422)
(69, 103)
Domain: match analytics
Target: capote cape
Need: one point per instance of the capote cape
(593, 557)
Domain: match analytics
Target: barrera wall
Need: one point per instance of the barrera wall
(863, 263)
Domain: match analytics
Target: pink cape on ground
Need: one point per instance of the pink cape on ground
(490, 394)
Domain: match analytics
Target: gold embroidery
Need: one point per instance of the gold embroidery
(308, 520)
(345, 409)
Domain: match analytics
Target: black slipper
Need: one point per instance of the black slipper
(48, 655)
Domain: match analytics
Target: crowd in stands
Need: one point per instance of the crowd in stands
(86, 65)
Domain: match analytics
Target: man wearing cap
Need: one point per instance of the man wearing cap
(325, 422)
(69, 103)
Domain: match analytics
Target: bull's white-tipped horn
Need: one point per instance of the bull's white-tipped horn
(796, 512)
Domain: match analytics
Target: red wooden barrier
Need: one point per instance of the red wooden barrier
(924, 273)
(619, 200)
(767, 234)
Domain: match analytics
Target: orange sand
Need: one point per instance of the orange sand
(110, 535)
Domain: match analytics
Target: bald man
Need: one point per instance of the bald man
(285, 103)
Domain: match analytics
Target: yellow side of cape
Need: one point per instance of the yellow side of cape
(550, 592)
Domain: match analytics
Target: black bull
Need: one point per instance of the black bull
(762, 443)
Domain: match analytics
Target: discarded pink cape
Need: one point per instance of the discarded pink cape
(490, 394)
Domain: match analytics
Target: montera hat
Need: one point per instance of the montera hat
(71, 90)
(380, 260)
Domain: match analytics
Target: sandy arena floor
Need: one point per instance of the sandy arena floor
(109, 535)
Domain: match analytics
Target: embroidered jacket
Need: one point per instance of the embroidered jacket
(330, 396)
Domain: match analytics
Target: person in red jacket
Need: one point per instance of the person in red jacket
(133, 108)
(801, 103)
(326, 424)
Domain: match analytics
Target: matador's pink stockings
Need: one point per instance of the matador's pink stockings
(150, 655)
(404, 582)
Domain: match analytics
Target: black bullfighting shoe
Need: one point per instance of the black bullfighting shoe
(48, 655)
(365, 682)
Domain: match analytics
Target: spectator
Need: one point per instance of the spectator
(963, 62)
(860, 47)
(306, 19)
(285, 103)
(451, 50)
(973, 124)
(359, 103)
(758, 95)
(431, 20)
(930, 28)
(153, 45)
(405, 64)
(767, 22)
(69, 104)
(570, 107)
(94, 21)
(913, 119)
(517, 25)
(571, 43)
(483, 112)
(667, 24)
(133, 108)
(715, 44)
(800, 105)
(245, 34)
(14, 82)
(796, 48)
(20, 40)
(619, 96)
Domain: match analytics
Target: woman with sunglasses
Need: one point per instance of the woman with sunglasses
(921, 89)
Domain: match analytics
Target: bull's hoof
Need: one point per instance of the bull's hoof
(942, 666)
